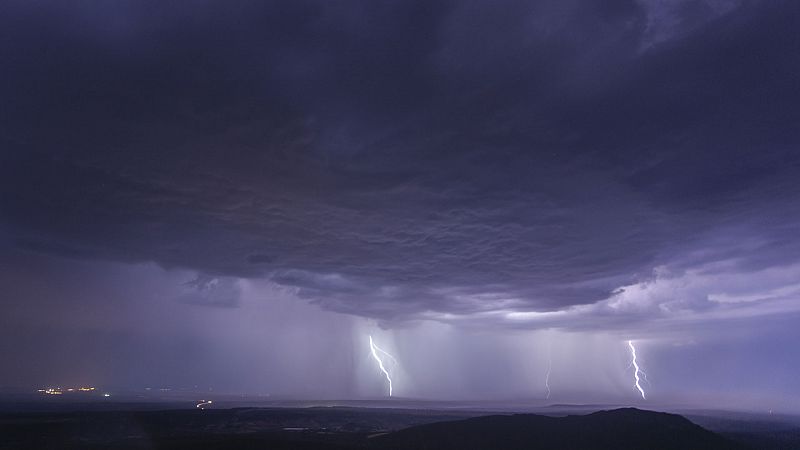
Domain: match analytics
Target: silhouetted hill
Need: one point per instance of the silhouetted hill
(343, 428)
(627, 428)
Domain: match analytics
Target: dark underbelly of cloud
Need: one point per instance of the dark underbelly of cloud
(412, 163)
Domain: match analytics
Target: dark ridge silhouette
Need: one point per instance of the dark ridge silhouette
(626, 428)
(374, 429)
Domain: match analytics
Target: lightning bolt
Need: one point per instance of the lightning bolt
(636, 370)
(549, 368)
(374, 349)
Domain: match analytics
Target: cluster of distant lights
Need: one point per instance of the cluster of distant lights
(62, 391)
(202, 404)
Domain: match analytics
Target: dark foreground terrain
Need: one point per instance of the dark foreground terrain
(627, 428)
(362, 428)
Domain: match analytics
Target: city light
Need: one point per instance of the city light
(61, 391)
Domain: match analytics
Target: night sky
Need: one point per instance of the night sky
(235, 195)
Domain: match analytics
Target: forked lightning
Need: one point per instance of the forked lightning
(636, 370)
(374, 349)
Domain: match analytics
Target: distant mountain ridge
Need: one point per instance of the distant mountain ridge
(625, 428)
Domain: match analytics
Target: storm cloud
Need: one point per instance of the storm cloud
(583, 165)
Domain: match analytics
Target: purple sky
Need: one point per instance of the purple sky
(237, 195)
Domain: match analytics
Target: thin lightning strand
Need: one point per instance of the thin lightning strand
(549, 368)
(394, 361)
(375, 349)
(636, 370)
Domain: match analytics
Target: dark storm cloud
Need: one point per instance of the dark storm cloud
(408, 158)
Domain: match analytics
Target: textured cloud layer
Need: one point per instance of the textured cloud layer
(416, 159)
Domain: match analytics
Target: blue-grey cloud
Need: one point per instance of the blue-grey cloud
(417, 159)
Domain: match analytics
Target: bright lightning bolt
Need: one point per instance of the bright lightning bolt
(374, 350)
(636, 370)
